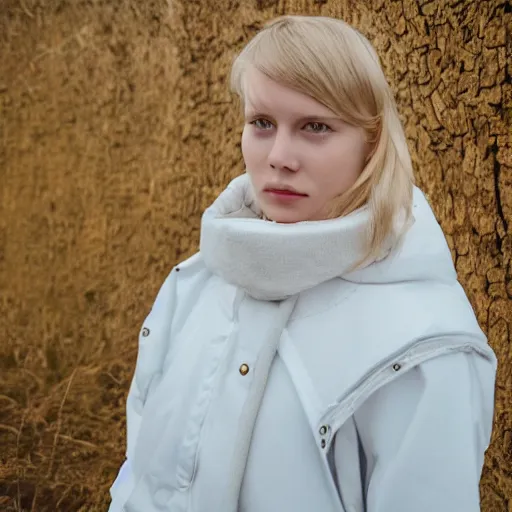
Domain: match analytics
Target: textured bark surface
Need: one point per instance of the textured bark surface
(117, 129)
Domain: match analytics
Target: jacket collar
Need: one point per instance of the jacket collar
(273, 261)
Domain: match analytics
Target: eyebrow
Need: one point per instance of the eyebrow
(308, 118)
(322, 118)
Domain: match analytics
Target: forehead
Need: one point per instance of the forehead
(264, 95)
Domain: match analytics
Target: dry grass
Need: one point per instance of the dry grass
(116, 130)
(86, 90)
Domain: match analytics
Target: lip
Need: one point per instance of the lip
(283, 192)
(284, 196)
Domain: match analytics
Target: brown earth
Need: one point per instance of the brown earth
(117, 129)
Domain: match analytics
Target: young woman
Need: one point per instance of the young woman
(318, 353)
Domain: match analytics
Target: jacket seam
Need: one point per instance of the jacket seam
(336, 414)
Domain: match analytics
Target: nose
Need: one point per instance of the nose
(282, 156)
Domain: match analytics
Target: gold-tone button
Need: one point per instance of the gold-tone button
(244, 370)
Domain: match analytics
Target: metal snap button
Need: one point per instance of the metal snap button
(323, 443)
(323, 430)
(145, 332)
(397, 367)
(244, 370)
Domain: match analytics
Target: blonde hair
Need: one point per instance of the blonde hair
(328, 60)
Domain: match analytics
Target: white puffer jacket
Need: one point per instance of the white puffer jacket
(379, 399)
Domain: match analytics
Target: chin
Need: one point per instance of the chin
(285, 217)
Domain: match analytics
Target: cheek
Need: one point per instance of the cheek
(343, 162)
(245, 145)
(252, 150)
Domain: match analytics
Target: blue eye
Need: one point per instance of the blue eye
(318, 127)
(262, 124)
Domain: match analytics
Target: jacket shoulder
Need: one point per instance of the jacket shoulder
(191, 264)
(189, 275)
(339, 356)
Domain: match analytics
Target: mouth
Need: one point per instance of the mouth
(283, 191)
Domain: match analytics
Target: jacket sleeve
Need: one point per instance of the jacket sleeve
(424, 436)
(152, 349)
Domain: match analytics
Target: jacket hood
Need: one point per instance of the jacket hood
(272, 261)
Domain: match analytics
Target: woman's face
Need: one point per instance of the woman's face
(298, 153)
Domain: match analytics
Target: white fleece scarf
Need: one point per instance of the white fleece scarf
(272, 261)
